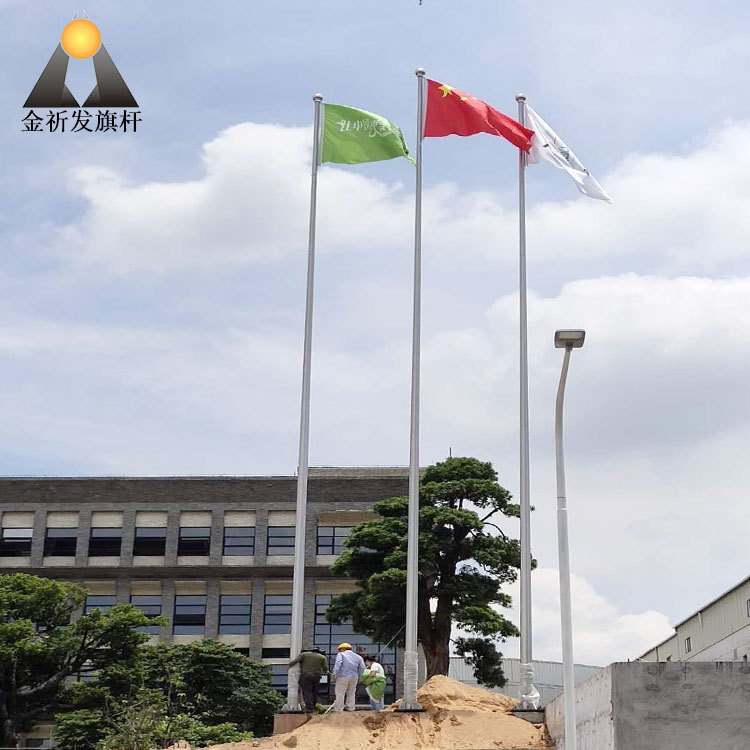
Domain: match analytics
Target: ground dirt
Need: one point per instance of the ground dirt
(456, 717)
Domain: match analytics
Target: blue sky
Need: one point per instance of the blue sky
(151, 284)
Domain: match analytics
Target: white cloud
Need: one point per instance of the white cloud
(603, 632)
(250, 206)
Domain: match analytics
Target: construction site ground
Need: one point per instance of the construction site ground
(456, 717)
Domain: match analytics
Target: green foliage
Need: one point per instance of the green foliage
(213, 683)
(133, 723)
(203, 692)
(79, 729)
(184, 727)
(139, 722)
(485, 658)
(464, 559)
(40, 646)
(140, 694)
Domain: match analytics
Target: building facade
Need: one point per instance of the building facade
(720, 631)
(212, 555)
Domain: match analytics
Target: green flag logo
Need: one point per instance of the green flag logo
(355, 136)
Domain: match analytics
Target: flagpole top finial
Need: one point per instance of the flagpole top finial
(317, 97)
(419, 72)
(520, 97)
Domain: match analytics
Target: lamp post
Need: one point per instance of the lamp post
(567, 340)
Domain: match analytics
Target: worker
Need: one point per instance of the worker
(373, 679)
(313, 665)
(347, 670)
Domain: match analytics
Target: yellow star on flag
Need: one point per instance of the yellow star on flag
(464, 98)
(446, 89)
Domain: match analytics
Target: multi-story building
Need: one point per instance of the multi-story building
(212, 555)
(720, 631)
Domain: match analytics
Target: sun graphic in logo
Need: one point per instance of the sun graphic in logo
(81, 38)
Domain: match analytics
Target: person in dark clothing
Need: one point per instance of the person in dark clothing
(313, 665)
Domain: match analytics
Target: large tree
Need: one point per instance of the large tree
(41, 645)
(464, 560)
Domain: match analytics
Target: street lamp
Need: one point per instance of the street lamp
(568, 340)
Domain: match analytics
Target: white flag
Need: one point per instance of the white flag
(546, 144)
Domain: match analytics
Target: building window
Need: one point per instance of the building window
(105, 542)
(331, 539)
(328, 637)
(274, 653)
(688, 644)
(60, 542)
(239, 540)
(150, 541)
(277, 614)
(280, 540)
(748, 607)
(194, 540)
(280, 677)
(234, 613)
(96, 601)
(16, 543)
(189, 614)
(149, 604)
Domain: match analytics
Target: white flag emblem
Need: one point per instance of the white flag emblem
(546, 144)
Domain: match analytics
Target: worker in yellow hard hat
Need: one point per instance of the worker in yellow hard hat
(346, 672)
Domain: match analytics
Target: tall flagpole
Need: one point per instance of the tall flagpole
(298, 585)
(527, 669)
(411, 658)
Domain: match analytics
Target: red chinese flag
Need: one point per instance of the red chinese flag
(452, 112)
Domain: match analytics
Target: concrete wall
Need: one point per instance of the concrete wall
(661, 706)
(594, 715)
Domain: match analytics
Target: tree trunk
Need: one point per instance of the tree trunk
(438, 660)
(437, 648)
(434, 633)
(7, 726)
(7, 734)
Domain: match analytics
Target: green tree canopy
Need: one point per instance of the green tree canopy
(41, 645)
(464, 560)
(203, 692)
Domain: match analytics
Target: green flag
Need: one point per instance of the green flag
(353, 136)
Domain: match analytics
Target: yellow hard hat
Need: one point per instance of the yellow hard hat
(343, 646)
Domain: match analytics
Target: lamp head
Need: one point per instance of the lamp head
(569, 338)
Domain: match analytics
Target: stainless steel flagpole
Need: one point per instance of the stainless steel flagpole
(298, 585)
(527, 689)
(411, 658)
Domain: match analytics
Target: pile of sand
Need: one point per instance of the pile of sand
(442, 693)
(456, 717)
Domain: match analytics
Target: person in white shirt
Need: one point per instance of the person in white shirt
(346, 671)
(371, 662)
